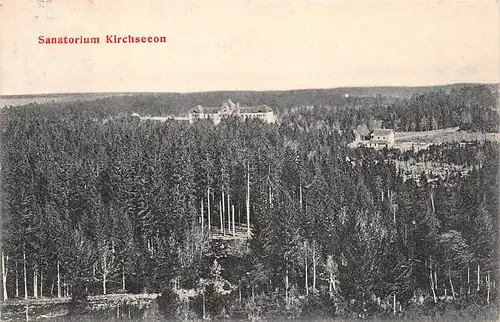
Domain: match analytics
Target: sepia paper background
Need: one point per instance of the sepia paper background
(234, 44)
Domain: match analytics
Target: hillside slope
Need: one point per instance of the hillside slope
(187, 100)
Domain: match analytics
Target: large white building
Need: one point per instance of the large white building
(228, 108)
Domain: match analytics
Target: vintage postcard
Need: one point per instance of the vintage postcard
(249, 160)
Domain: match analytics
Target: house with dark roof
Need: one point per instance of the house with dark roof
(228, 108)
(378, 138)
(382, 138)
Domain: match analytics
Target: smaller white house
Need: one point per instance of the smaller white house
(382, 138)
(378, 138)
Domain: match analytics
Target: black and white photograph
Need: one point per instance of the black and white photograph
(249, 160)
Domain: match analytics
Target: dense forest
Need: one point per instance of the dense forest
(92, 207)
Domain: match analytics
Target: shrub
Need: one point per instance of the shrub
(168, 303)
(321, 305)
(272, 306)
(135, 285)
(79, 299)
(215, 303)
(79, 294)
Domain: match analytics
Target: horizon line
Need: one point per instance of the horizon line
(252, 90)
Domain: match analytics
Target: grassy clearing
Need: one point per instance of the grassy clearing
(399, 136)
(444, 135)
(422, 140)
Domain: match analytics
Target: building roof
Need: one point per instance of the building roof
(382, 132)
(205, 110)
(255, 109)
(229, 106)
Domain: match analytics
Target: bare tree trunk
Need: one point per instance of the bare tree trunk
(460, 288)
(286, 289)
(25, 275)
(5, 260)
(270, 197)
(432, 282)
(41, 282)
(488, 294)
(393, 208)
(104, 277)
(58, 281)
(394, 304)
(239, 291)
(52, 287)
(269, 188)
(468, 279)
(334, 283)
(223, 201)
(451, 283)
(248, 200)
(123, 275)
(203, 295)
(228, 214)
(35, 282)
(432, 203)
(202, 219)
(104, 274)
(488, 288)
(435, 278)
(478, 281)
(314, 268)
(234, 223)
(221, 218)
(150, 247)
(306, 281)
(300, 196)
(17, 282)
(209, 215)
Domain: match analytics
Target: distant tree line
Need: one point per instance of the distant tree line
(471, 107)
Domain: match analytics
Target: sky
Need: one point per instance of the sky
(247, 45)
